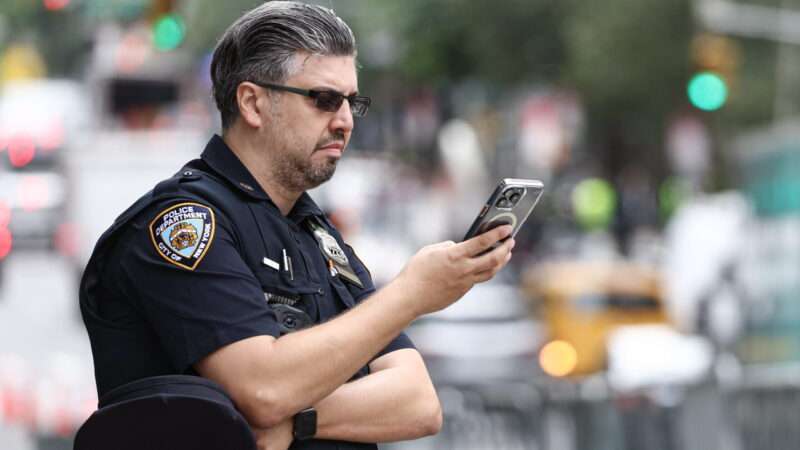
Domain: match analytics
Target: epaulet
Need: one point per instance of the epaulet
(172, 185)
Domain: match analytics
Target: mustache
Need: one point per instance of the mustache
(335, 139)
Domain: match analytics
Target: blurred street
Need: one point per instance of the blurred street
(46, 374)
(50, 308)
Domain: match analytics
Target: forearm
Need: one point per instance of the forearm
(310, 364)
(324, 357)
(394, 404)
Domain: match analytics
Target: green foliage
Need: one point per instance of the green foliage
(63, 50)
(629, 56)
(206, 20)
(629, 60)
(515, 41)
(17, 14)
(752, 91)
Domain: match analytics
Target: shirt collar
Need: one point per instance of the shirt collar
(303, 208)
(221, 158)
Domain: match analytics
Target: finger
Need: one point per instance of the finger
(472, 247)
(487, 275)
(495, 258)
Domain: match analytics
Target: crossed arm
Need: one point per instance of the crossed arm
(396, 401)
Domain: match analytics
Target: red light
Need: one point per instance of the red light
(5, 214)
(56, 5)
(32, 193)
(21, 150)
(6, 242)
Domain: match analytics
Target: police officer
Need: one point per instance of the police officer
(229, 269)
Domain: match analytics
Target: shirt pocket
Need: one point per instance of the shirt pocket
(279, 282)
(291, 300)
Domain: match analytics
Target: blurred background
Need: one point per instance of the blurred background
(652, 302)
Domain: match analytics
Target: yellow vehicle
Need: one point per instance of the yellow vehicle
(580, 303)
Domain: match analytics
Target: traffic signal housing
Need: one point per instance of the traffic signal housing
(715, 60)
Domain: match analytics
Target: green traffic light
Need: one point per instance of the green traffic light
(168, 32)
(707, 91)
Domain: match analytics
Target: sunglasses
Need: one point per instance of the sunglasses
(329, 101)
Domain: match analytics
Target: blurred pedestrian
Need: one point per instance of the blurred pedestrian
(229, 269)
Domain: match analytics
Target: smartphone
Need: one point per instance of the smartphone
(511, 203)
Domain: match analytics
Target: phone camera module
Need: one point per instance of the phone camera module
(510, 197)
(503, 202)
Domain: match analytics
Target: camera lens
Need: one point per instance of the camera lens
(503, 203)
(514, 198)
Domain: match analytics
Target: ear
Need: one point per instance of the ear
(250, 104)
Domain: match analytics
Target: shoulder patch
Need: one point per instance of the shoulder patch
(183, 233)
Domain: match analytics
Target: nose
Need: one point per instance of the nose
(342, 121)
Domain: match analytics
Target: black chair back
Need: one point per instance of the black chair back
(173, 412)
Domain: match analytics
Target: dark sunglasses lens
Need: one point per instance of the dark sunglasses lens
(359, 106)
(329, 101)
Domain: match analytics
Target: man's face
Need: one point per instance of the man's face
(304, 142)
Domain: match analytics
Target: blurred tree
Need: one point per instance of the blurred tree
(19, 12)
(514, 41)
(630, 69)
(30, 22)
(204, 27)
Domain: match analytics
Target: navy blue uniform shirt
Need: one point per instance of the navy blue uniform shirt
(203, 260)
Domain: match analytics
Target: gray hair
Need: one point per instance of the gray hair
(261, 45)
